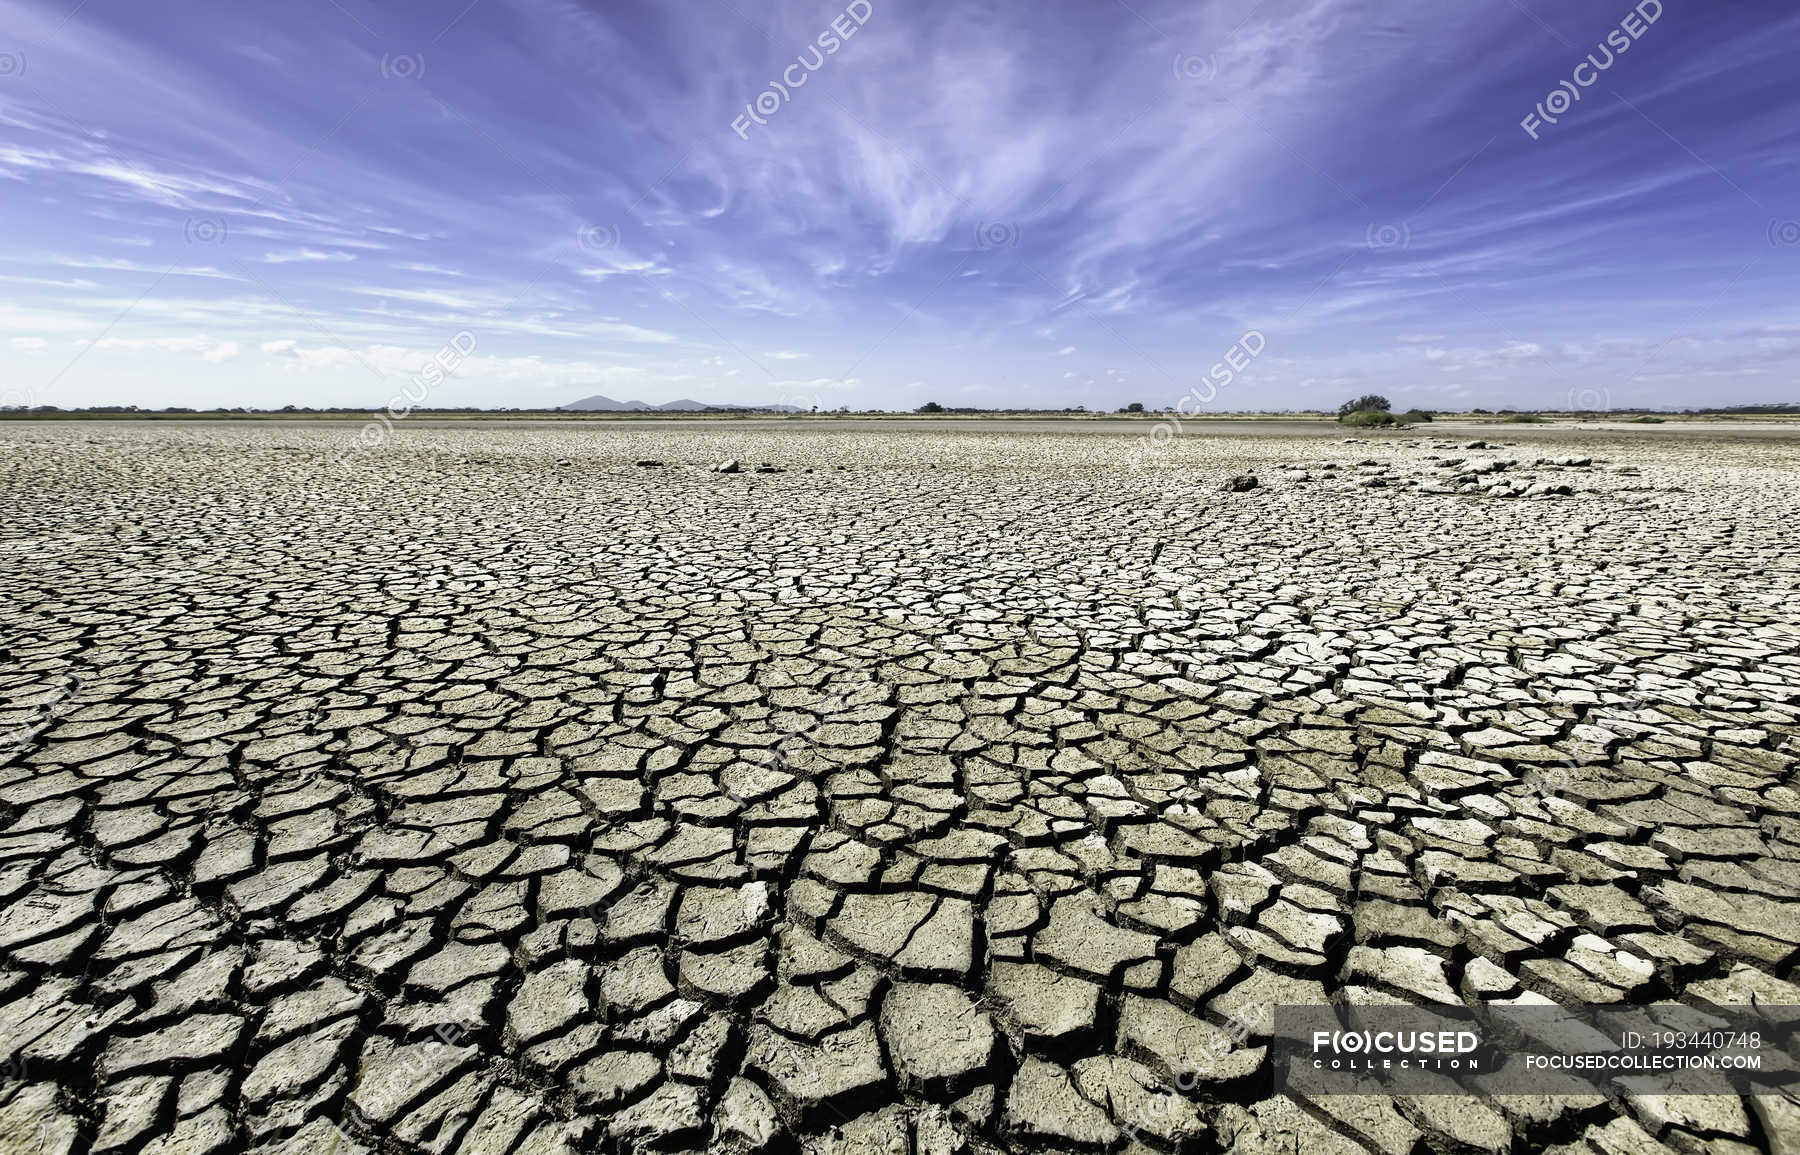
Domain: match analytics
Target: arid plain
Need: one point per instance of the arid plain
(948, 786)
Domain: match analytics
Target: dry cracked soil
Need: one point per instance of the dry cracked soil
(941, 787)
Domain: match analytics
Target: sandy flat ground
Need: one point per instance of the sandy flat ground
(958, 786)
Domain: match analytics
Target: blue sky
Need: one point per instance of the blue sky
(1045, 204)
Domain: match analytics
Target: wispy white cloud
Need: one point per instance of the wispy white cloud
(292, 256)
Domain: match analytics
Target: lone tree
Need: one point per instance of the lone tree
(1135, 407)
(931, 407)
(1367, 403)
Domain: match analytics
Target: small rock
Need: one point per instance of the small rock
(1242, 483)
(646, 463)
(1475, 445)
(729, 466)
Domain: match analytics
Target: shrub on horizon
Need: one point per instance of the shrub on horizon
(1367, 403)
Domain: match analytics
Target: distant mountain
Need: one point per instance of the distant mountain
(599, 404)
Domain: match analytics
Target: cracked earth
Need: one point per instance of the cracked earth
(937, 789)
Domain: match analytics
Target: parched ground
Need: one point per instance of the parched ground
(960, 787)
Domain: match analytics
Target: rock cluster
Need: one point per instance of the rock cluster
(1502, 477)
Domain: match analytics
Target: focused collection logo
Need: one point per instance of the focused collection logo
(1395, 1050)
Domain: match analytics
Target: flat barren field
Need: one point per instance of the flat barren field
(536, 787)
